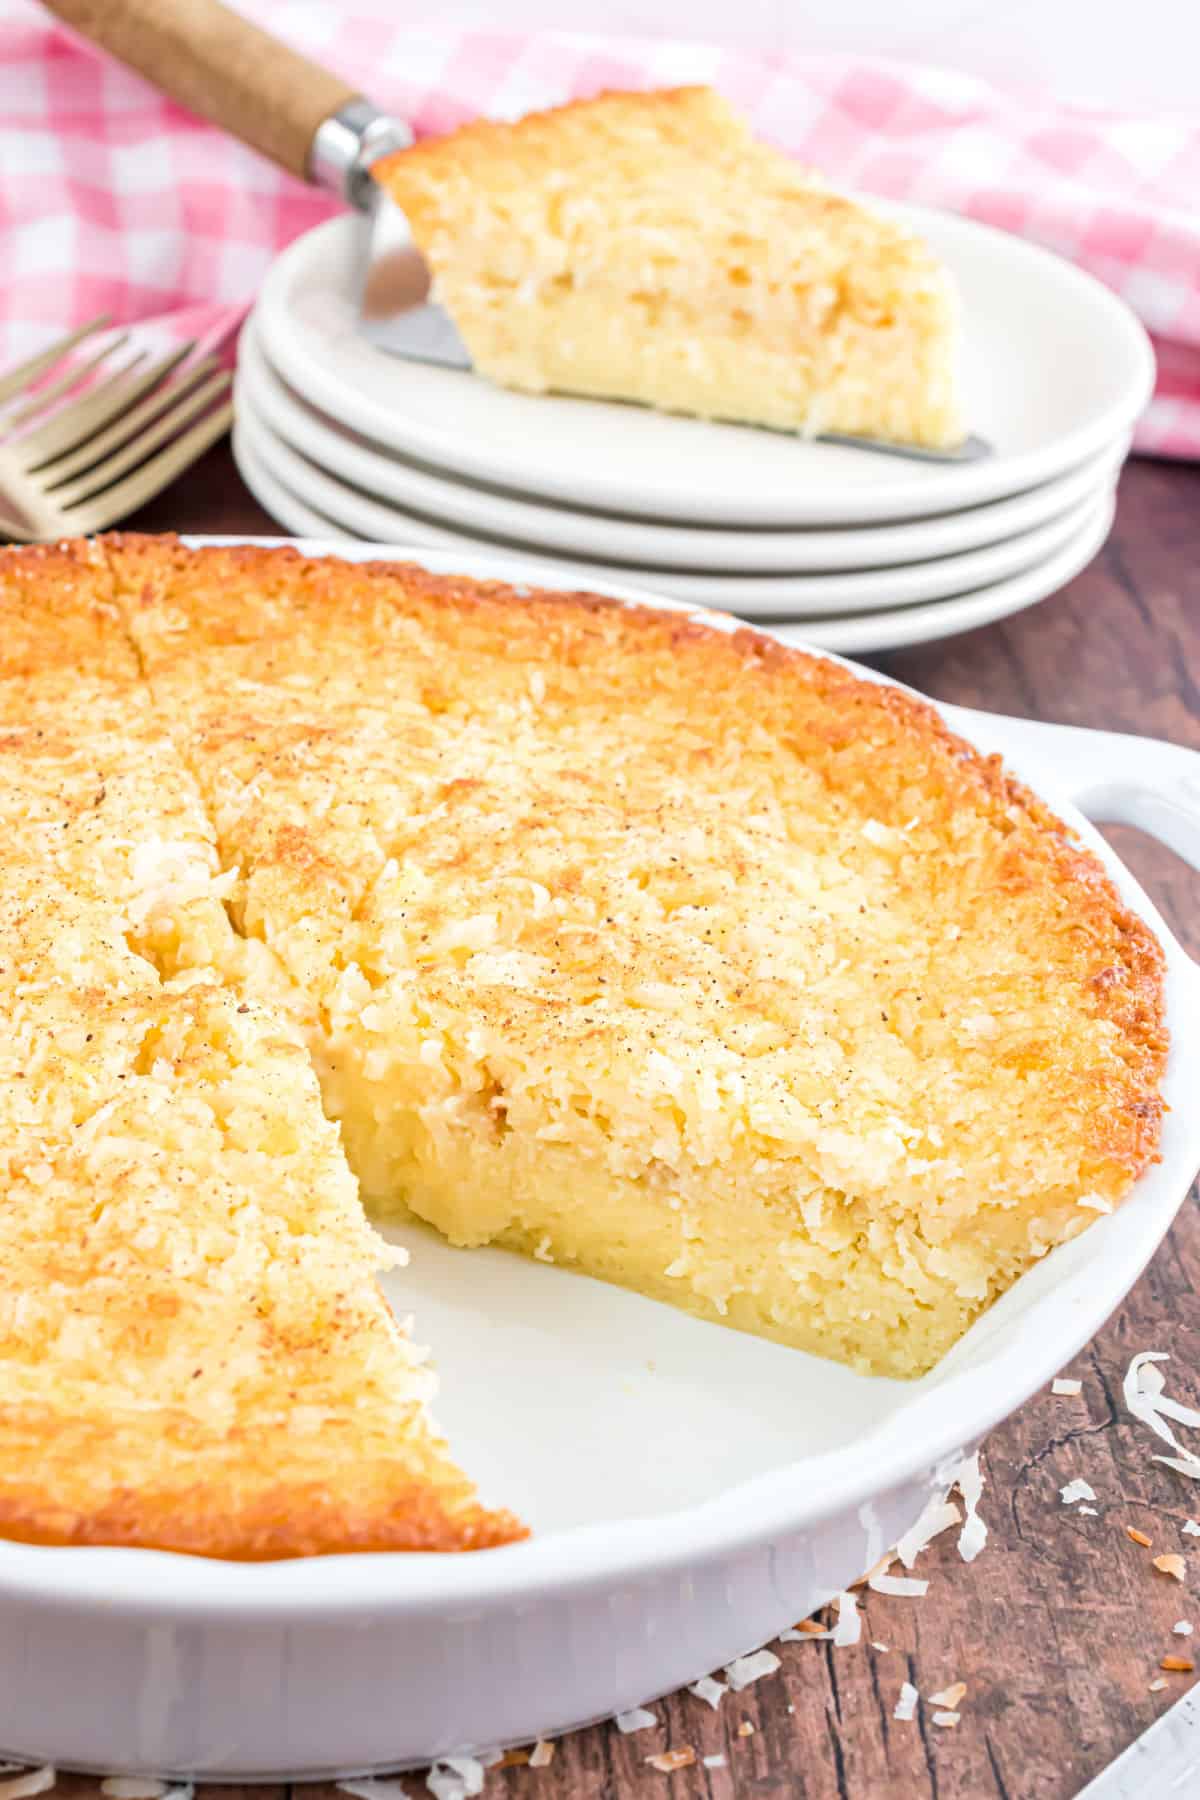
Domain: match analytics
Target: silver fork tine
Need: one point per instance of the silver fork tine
(46, 396)
(15, 380)
(153, 476)
(94, 409)
(92, 449)
(184, 406)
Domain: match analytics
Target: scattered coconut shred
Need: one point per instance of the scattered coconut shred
(1066, 1385)
(744, 1670)
(1143, 1393)
(1079, 1489)
(709, 1690)
(846, 1631)
(667, 1761)
(33, 1781)
(457, 1777)
(906, 1705)
(638, 1718)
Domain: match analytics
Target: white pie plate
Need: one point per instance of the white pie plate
(691, 1490)
(434, 498)
(758, 596)
(1056, 367)
(879, 629)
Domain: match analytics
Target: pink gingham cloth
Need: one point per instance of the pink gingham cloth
(111, 199)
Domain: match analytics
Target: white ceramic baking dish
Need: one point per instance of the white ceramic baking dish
(691, 1490)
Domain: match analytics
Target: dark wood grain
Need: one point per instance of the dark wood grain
(1059, 1626)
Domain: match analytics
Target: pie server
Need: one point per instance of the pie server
(1163, 1764)
(314, 125)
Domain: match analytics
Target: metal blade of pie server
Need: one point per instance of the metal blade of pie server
(395, 312)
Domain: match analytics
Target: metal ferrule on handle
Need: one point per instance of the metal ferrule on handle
(345, 146)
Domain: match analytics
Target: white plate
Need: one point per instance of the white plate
(757, 596)
(692, 1491)
(885, 629)
(910, 625)
(434, 497)
(1056, 367)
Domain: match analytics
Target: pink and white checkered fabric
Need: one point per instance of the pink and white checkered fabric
(113, 199)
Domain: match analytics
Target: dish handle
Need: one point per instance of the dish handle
(1112, 775)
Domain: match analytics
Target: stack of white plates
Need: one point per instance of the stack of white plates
(830, 544)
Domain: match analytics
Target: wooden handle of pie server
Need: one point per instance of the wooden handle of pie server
(220, 66)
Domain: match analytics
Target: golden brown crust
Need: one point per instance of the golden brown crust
(871, 741)
(539, 140)
(237, 622)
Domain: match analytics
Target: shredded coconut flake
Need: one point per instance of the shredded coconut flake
(906, 1705)
(946, 1718)
(1095, 1203)
(1182, 1628)
(876, 1646)
(848, 1629)
(709, 1690)
(746, 1669)
(1079, 1489)
(1145, 1399)
(1089, 1510)
(370, 1788)
(713, 1762)
(973, 1535)
(1064, 1385)
(638, 1718)
(455, 1778)
(542, 1754)
(939, 1515)
(133, 1787)
(667, 1761)
(745, 1729)
(1171, 1564)
(34, 1781)
(1191, 1528)
(950, 1696)
(31, 1782)
(904, 1586)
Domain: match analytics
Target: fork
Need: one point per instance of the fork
(72, 468)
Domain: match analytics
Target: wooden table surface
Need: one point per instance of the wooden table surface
(1058, 1627)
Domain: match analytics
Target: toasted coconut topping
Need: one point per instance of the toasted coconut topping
(1172, 1564)
(667, 1761)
